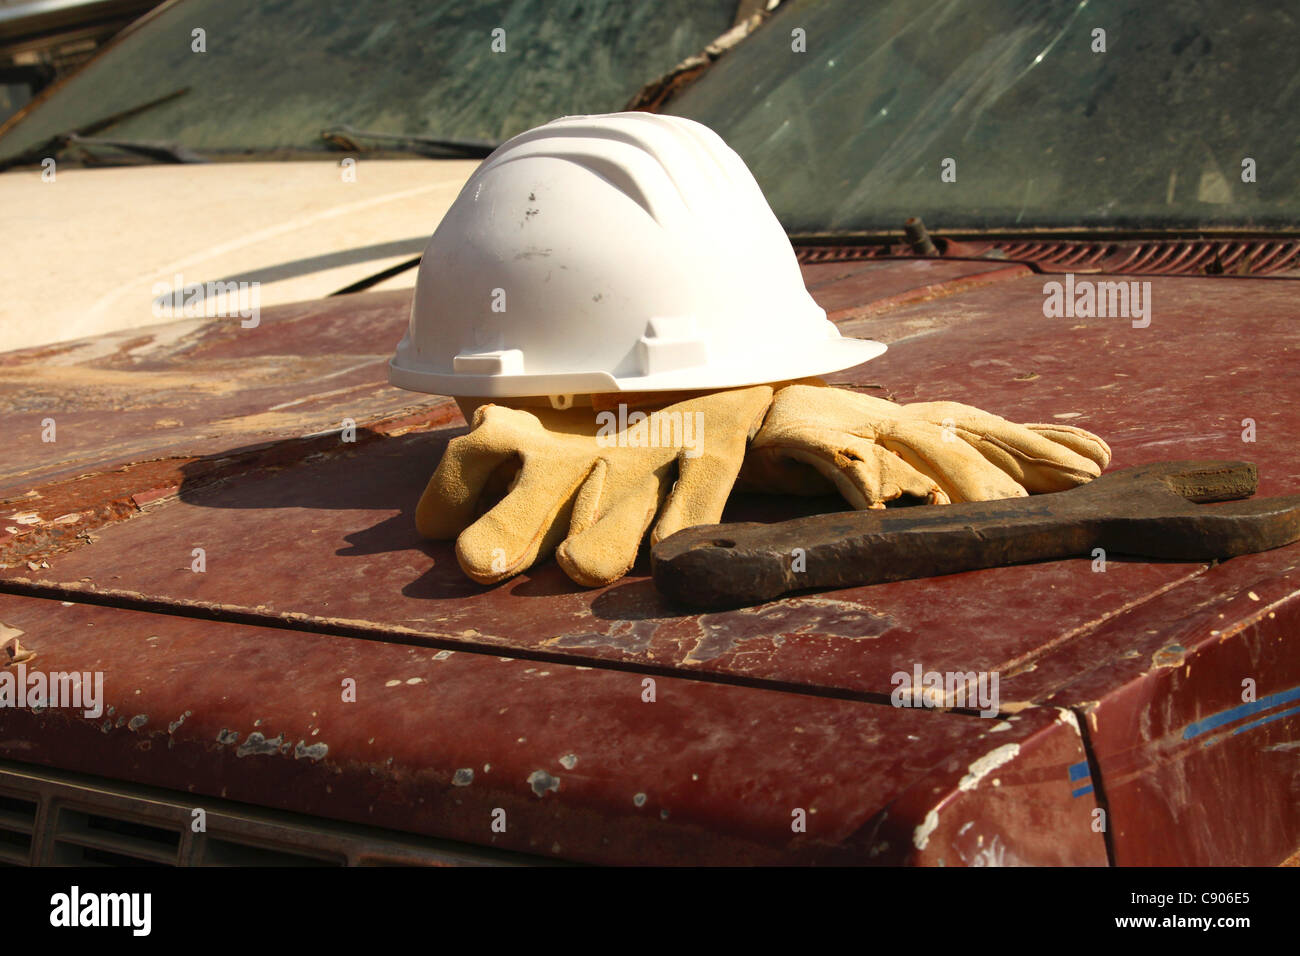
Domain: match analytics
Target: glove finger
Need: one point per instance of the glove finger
(1037, 466)
(961, 472)
(1032, 459)
(1078, 440)
(707, 467)
(886, 476)
(527, 524)
(698, 496)
(449, 502)
(603, 546)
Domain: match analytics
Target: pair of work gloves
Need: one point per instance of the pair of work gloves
(586, 483)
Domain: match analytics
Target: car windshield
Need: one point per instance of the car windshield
(275, 74)
(1013, 116)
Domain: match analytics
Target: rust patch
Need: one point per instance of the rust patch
(830, 618)
(633, 637)
(1171, 655)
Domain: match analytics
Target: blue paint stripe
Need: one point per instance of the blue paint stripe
(1266, 720)
(1253, 724)
(1079, 770)
(1196, 728)
(1081, 791)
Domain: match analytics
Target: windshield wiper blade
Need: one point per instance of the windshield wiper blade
(54, 144)
(346, 138)
(162, 152)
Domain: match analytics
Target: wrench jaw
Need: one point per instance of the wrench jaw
(1193, 511)
(1199, 481)
(1211, 532)
(1212, 536)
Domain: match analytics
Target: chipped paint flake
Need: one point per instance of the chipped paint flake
(315, 751)
(541, 781)
(1016, 706)
(921, 835)
(1064, 715)
(992, 855)
(463, 777)
(987, 764)
(258, 743)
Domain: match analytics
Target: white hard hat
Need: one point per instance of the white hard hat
(620, 252)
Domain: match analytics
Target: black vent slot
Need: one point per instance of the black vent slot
(229, 853)
(17, 818)
(92, 838)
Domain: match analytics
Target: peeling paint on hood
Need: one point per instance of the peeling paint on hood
(987, 764)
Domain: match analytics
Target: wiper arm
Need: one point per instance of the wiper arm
(346, 138)
(54, 144)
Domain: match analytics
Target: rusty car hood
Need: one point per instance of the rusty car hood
(608, 726)
(300, 229)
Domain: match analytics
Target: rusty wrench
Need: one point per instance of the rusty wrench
(1151, 511)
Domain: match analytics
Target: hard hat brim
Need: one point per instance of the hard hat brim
(781, 362)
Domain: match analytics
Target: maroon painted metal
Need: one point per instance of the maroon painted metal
(576, 761)
(1191, 703)
(315, 537)
(868, 288)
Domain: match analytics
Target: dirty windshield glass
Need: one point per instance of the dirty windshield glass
(996, 114)
(273, 74)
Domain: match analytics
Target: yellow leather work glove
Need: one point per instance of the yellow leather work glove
(586, 488)
(873, 451)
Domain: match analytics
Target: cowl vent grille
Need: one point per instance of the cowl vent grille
(1255, 257)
